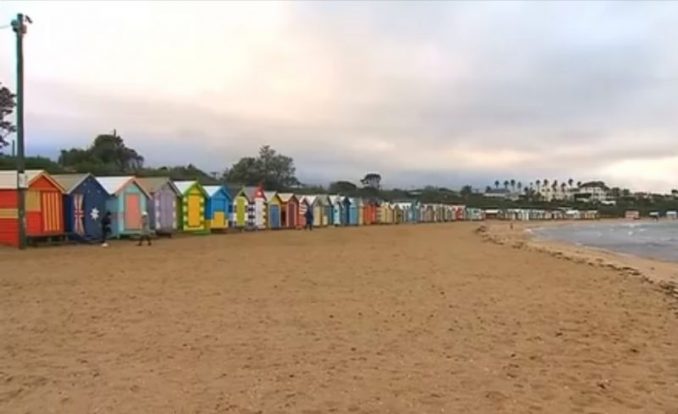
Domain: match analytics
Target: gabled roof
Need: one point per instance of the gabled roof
(113, 185)
(250, 192)
(270, 194)
(184, 186)
(310, 199)
(8, 179)
(70, 182)
(153, 184)
(334, 199)
(211, 190)
(322, 199)
(285, 197)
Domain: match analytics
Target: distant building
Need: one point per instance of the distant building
(593, 192)
(501, 193)
(550, 193)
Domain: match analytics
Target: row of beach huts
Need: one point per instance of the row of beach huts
(71, 206)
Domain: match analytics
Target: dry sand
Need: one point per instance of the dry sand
(403, 319)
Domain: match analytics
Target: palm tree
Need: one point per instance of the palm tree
(570, 182)
(506, 184)
(488, 189)
(545, 182)
(496, 183)
(513, 184)
(563, 186)
(538, 184)
(554, 186)
(578, 184)
(520, 186)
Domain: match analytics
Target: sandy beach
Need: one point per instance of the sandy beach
(399, 319)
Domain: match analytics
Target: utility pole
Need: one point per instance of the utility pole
(19, 27)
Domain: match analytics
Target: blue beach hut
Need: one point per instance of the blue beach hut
(338, 209)
(84, 205)
(127, 201)
(218, 207)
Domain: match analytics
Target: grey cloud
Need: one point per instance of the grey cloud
(575, 86)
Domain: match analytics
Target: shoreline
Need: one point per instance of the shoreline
(662, 274)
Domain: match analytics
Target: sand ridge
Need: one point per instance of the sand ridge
(405, 319)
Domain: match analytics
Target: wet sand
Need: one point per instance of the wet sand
(404, 319)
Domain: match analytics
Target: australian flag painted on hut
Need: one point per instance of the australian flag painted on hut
(84, 205)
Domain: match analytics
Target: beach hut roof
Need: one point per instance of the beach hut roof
(270, 194)
(153, 184)
(250, 192)
(211, 190)
(285, 197)
(70, 182)
(184, 186)
(113, 185)
(310, 199)
(8, 179)
(334, 199)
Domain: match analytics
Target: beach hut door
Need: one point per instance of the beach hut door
(51, 211)
(132, 212)
(275, 216)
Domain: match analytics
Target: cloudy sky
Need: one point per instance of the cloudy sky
(424, 93)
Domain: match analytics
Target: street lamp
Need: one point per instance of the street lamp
(19, 26)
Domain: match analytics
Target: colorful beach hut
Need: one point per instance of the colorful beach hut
(256, 208)
(241, 209)
(385, 213)
(318, 203)
(351, 206)
(290, 210)
(359, 206)
(370, 212)
(274, 207)
(192, 206)
(218, 207)
(44, 207)
(164, 204)
(84, 203)
(303, 207)
(338, 210)
(127, 200)
(324, 208)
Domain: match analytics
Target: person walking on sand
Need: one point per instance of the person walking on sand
(105, 228)
(309, 218)
(145, 229)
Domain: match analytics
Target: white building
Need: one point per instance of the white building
(594, 192)
(550, 193)
(501, 193)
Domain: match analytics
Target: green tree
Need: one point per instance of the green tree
(32, 163)
(107, 155)
(343, 187)
(7, 105)
(496, 184)
(513, 184)
(272, 170)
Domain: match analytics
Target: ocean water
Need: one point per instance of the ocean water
(657, 240)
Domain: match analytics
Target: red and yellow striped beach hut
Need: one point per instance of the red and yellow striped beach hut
(44, 207)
